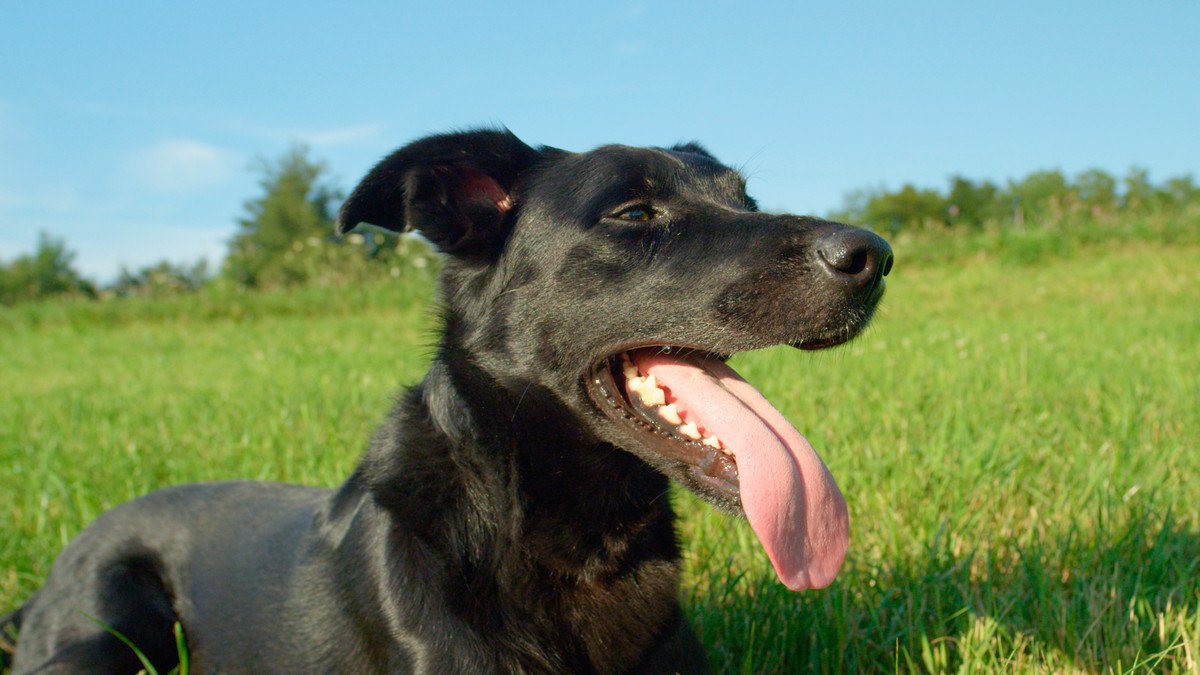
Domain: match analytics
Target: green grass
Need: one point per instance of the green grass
(1017, 437)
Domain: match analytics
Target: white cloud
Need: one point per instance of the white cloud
(182, 165)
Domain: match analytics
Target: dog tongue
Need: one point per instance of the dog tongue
(790, 498)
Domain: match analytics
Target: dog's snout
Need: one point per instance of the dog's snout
(855, 256)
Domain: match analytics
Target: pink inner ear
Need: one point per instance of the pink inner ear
(478, 186)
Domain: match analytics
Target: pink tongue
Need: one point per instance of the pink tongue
(790, 498)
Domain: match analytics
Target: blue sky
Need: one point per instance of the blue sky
(130, 129)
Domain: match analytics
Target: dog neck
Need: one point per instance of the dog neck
(525, 459)
(508, 489)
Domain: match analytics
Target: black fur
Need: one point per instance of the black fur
(500, 521)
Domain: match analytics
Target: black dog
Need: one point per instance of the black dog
(510, 515)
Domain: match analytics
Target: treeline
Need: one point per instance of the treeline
(1045, 198)
(285, 237)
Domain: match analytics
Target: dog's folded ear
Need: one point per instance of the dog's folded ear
(455, 189)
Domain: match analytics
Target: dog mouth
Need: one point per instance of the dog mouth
(688, 407)
(833, 339)
(668, 426)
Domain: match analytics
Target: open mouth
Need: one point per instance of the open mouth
(689, 407)
(671, 428)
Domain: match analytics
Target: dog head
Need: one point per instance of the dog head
(621, 279)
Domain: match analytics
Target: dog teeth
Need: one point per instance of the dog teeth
(690, 430)
(652, 396)
(670, 413)
(628, 368)
(647, 390)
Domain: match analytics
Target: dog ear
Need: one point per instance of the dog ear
(693, 147)
(455, 189)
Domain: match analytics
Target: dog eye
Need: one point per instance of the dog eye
(639, 213)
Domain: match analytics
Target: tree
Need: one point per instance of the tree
(910, 206)
(1182, 191)
(161, 278)
(972, 204)
(295, 211)
(1096, 190)
(47, 272)
(854, 205)
(1037, 194)
(1140, 194)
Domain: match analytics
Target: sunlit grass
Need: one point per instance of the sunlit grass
(1017, 441)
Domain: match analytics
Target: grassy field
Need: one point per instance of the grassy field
(1018, 438)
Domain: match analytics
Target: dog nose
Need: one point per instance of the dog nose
(857, 257)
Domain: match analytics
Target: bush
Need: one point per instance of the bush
(163, 278)
(48, 272)
(1046, 199)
